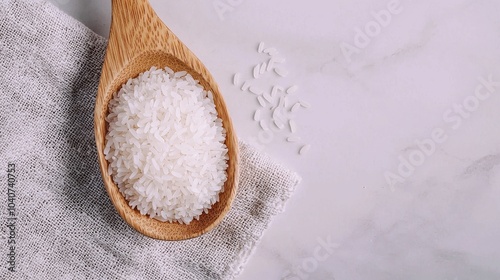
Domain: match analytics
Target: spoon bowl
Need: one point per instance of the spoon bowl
(139, 40)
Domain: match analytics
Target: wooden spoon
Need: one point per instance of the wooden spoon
(139, 40)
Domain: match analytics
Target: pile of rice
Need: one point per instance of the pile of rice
(165, 146)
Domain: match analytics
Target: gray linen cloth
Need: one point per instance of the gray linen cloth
(65, 226)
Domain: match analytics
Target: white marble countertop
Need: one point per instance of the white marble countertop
(403, 177)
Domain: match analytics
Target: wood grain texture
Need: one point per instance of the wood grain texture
(138, 40)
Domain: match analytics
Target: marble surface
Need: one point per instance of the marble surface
(403, 177)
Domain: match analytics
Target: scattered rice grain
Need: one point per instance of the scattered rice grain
(293, 126)
(281, 102)
(277, 114)
(305, 104)
(292, 89)
(236, 79)
(245, 86)
(270, 64)
(285, 104)
(275, 90)
(155, 124)
(271, 51)
(293, 139)
(304, 149)
(261, 47)
(281, 72)
(278, 59)
(256, 90)
(295, 107)
(256, 70)
(262, 68)
(278, 124)
(256, 115)
(263, 125)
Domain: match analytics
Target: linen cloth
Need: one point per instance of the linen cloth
(66, 226)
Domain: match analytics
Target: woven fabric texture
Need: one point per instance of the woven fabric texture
(66, 226)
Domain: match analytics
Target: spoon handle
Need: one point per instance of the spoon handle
(133, 25)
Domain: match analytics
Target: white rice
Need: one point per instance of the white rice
(165, 146)
(279, 59)
(271, 51)
(281, 102)
(245, 86)
(277, 115)
(236, 79)
(256, 71)
(304, 149)
(263, 125)
(262, 101)
(275, 90)
(305, 104)
(293, 139)
(295, 107)
(280, 71)
(270, 64)
(278, 124)
(292, 89)
(293, 126)
(261, 47)
(255, 90)
(262, 68)
(267, 96)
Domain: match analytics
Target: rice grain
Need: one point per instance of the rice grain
(165, 145)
